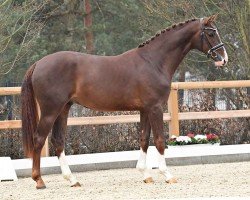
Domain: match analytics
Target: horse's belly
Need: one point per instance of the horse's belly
(108, 102)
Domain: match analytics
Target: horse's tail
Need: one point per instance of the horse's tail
(29, 113)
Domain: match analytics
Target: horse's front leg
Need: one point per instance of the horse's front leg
(156, 121)
(144, 142)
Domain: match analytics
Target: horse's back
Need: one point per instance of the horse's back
(98, 82)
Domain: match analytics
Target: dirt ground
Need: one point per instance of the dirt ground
(212, 180)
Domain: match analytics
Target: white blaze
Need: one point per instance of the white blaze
(226, 56)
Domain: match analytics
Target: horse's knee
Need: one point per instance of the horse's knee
(160, 144)
(159, 141)
(144, 142)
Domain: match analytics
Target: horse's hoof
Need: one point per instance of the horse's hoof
(77, 184)
(148, 180)
(172, 180)
(40, 187)
(40, 184)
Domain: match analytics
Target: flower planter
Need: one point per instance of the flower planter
(191, 139)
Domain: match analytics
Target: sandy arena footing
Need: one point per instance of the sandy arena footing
(209, 180)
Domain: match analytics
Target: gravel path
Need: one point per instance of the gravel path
(212, 180)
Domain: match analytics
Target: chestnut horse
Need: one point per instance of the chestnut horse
(138, 79)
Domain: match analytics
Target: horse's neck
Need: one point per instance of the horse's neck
(168, 50)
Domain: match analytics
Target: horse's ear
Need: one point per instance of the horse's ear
(209, 20)
(214, 17)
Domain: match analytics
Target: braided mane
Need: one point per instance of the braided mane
(165, 30)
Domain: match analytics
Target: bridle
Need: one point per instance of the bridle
(212, 51)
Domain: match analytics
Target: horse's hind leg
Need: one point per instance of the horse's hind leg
(58, 140)
(44, 126)
(144, 142)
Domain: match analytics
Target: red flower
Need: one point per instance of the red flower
(190, 134)
(212, 136)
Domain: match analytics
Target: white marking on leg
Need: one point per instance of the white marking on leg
(163, 168)
(142, 165)
(66, 172)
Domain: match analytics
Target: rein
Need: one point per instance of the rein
(212, 51)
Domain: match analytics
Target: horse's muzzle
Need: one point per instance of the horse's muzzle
(220, 61)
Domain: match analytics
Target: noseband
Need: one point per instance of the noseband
(212, 51)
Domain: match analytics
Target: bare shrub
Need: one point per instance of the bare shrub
(11, 143)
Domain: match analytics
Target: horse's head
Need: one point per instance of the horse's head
(210, 42)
